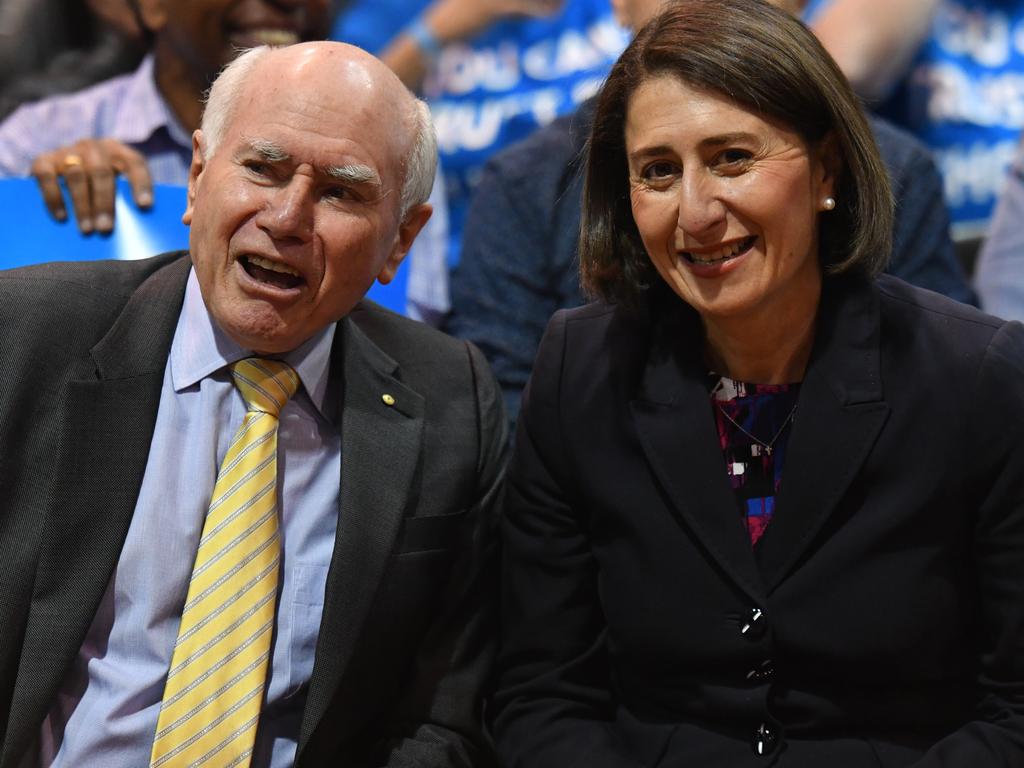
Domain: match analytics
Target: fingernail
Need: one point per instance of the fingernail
(104, 222)
(145, 198)
(85, 225)
(60, 216)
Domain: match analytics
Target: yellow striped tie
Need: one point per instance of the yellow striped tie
(214, 690)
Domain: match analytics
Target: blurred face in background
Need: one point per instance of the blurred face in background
(207, 34)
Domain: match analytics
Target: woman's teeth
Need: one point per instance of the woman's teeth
(722, 254)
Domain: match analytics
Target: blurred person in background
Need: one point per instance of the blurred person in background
(765, 503)
(520, 260)
(949, 71)
(999, 275)
(493, 71)
(141, 124)
(48, 48)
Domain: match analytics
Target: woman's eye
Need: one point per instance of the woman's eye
(659, 170)
(733, 157)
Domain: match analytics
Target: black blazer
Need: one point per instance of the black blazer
(879, 622)
(406, 636)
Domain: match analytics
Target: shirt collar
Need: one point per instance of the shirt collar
(200, 348)
(143, 110)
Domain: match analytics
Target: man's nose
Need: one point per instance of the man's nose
(288, 211)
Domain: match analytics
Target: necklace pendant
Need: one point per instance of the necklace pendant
(768, 450)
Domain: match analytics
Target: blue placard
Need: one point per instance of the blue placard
(34, 236)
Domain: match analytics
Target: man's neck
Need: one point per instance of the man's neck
(180, 87)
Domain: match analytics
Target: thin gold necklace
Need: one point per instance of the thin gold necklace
(767, 446)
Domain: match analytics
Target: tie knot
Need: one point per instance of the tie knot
(266, 385)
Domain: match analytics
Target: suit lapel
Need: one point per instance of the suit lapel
(110, 410)
(380, 452)
(840, 413)
(677, 430)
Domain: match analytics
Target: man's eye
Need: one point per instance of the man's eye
(256, 167)
(337, 193)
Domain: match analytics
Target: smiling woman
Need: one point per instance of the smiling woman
(765, 504)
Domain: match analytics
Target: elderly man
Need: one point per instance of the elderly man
(323, 603)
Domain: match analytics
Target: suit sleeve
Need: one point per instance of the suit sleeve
(995, 736)
(438, 723)
(553, 705)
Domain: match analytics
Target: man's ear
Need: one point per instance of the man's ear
(414, 221)
(195, 171)
(153, 14)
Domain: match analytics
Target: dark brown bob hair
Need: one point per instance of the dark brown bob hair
(767, 61)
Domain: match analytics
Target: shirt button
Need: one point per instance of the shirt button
(764, 740)
(755, 624)
(765, 671)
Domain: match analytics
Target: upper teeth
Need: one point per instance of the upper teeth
(273, 266)
(275, 36)
(725, 252)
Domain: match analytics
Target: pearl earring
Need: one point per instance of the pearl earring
(829, 203)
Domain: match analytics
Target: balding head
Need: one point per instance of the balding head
(347, 74)
(309, 179)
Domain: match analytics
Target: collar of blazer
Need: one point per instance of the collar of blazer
(111, 403)
(840, 413)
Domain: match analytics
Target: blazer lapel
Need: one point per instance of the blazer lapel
(676, 427)
(840, 413)
(110, 410)
(381, 444)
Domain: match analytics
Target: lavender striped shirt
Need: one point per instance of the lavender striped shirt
(128, 108)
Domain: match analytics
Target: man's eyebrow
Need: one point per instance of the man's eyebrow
(354, 173)
(268, 150)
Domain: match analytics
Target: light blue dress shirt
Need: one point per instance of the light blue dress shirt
(106, 711)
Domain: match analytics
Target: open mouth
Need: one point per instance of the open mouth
(722, 255)
(271, 272)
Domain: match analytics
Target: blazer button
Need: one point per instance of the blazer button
(755, 625)
(765, 671)
(765, 739)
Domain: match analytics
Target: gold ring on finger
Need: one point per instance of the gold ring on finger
(72, 160)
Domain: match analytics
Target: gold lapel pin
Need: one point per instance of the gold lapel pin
(388, 399)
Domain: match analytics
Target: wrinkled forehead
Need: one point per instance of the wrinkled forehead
(330, 107)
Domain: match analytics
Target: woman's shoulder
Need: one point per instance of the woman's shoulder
(900, 296)
(944, 332)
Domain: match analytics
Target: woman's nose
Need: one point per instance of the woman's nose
(701, 209)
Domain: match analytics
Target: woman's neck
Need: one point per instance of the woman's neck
(766, 350)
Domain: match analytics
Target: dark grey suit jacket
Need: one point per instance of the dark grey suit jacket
(406, 638)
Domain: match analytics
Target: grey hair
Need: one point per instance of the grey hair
(222, 98)
(222, 103)
(421, 166)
